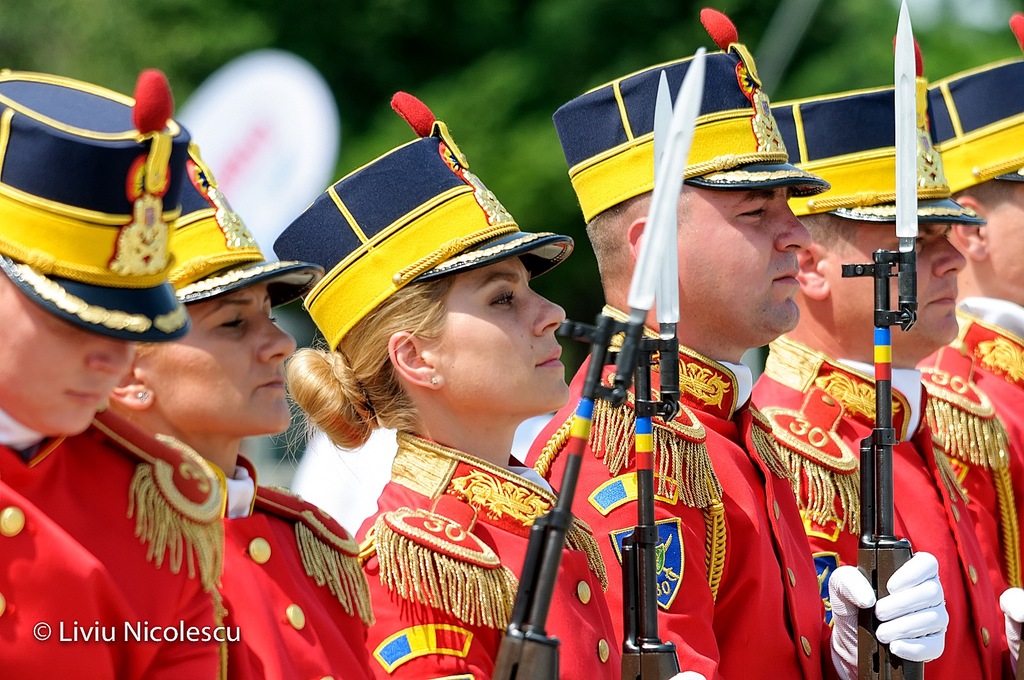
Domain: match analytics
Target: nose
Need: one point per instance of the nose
(549, 316)
(947, 259)
(110, 356)
(277, 344)
(792, 234)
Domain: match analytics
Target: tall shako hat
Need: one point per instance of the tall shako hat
(978, 120)
(89, 180)
(215, 253)
(608, 141)
(850, 139)
(414, 214)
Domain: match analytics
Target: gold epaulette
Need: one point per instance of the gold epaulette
(962, 417)
(823, 470)
(766, 447)
(680, 451)
(329, 555)
(176, 501)
(432, 558)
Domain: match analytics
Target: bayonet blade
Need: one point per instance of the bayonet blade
(905, 83)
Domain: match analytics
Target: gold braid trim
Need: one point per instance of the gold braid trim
(947, 474)
(554, 446)
(714, 545)
(581, 537)
(339, 572)
(1010, 527)
(967, 436)
(613, 432)
(168, 532)
(476, 595)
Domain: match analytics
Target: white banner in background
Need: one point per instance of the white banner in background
(267, 125)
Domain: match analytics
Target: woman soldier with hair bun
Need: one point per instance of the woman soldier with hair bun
(432, 329)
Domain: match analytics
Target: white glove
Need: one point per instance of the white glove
(913, 615)
(688, 675)
(1012, 604)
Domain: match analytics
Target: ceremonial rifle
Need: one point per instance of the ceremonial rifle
(644, 655)
(881, 553)
(527, 651)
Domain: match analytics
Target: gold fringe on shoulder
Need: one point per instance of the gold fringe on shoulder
(817, 500)
(947, 474)
(474, 594)
(581, 537)
(169, 533)
(613, 431)
(714, 545)
(966, 436)
(769, 451)
(339, 572)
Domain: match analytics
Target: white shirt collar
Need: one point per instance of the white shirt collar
(1001, 313)
(744, 382)
(15, 435)
(906, 381)
(241, 489)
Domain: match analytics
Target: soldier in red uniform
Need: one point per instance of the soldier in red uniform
(110, 546)
(293, 589)
(737, 591)
(983, 157)
(818, 387)
(433, 330)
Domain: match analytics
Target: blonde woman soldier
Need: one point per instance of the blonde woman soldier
(296, 600)
(433, 331)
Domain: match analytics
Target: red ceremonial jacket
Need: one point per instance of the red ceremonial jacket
(820, 410)
(121, 541)
(737, 592)
(997, 357)
(294, 589)
(443, 557)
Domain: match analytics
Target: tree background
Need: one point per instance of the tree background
(494, 70)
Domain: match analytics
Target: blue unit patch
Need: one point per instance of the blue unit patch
(416, 641)
(825, 563)
(668, 561)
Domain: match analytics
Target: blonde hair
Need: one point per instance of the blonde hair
(353, 390)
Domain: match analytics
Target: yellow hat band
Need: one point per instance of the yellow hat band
(200, 249)
(628, 169)
(371, 274)
(82, 250)
(968, 159)
(852, 178)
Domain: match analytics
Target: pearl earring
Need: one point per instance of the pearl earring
(142, 395)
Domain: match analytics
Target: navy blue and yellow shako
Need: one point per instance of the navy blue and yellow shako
(607, 133)
(978, 120)
(850, 140)
(215, 253)
(89, 180)
(413, 214)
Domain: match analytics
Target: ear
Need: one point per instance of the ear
(813, 274)
(413, 361)
(132, 392)
(972, 242)
(633, 234)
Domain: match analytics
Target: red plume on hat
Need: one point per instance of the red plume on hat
(154, 103)
(719, 27)
(153, 108)
(1017, 26)
(419, 117)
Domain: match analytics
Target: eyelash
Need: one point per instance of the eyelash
(504, 299)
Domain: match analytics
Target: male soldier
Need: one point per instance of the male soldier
(978, 124)
(109, 542)
(729, 530)
(818, 386)
(982, 155)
